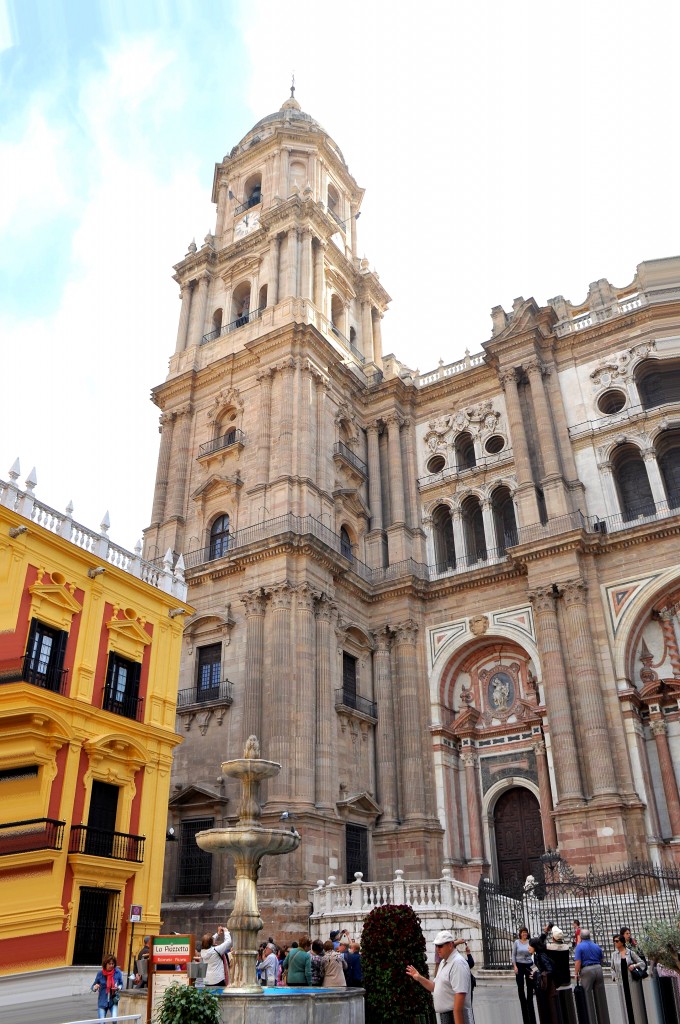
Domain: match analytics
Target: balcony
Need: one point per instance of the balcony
(33, 834)
(234, 438)
(44, 676)
(347, 700)
(254, 200)
(196, 697)
(240, 321)
(100, 842)
(343, 454)
(126, 705)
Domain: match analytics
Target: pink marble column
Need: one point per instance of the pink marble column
(545, 796)
(670, 786)
(471, 762)
(413, 801)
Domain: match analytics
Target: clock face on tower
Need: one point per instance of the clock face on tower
(246, 224)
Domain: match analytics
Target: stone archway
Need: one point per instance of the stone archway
(518, 835)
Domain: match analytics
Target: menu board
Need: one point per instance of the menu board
(169, 956)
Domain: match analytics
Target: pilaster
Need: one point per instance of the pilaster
(527, 506)
(385, 739)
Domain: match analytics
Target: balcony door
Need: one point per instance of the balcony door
(101, 821)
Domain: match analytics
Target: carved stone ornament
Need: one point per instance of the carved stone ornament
(479, 625)
(226, 398)
(500, 687)
(618, 368)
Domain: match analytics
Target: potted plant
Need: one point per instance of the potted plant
(185, 1004)
(391, 939)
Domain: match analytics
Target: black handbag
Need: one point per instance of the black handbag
(639, 971)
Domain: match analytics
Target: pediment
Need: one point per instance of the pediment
(217, 483)
(352, 501)
(466, 721)
(359, 805)
(192, 796)
(659, 689)
(54, 603)
(128, 637)
(209, 624)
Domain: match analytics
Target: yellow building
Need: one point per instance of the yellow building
(90, 640)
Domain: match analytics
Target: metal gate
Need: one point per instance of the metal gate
(97, 927)
(604, 902)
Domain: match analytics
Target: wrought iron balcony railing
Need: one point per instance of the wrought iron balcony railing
(32, 834)
(126, 705)
(44, 676)
(346, 453)
(254, 200)
(347, 699)
(240, 321)
(100, 842)
(223, 693)
(232, 437)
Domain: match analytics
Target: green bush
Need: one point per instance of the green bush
(392, 939)
(185, 1004)
(661, 943)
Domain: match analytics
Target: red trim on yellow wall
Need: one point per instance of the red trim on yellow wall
(13, 645)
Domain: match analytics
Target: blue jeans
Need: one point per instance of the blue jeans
(101, 1014)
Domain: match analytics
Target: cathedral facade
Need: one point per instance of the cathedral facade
(446, 603)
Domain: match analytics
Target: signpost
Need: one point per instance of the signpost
(169, 958)
(135, 918)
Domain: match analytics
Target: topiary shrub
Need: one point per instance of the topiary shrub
(392, 939)
(185, 1004)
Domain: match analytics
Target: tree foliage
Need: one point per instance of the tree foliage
(661, 943)
(392, 939)
(185, 1004)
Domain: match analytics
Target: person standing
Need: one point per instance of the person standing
(523, 965)
(269, 966)
(588, 969)
(354, 973)
(213, 953)
(317, 962)
(334, 967)
(107, 984)
(298, 964)
(544, 981)
(631, 995)
(452, 988)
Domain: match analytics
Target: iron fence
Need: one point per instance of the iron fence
(631, 896)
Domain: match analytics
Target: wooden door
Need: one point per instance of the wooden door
(519, 835)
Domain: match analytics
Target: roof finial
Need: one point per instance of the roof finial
(292, 87)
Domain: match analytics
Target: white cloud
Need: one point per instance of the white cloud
(35, 173)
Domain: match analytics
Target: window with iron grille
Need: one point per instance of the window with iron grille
(356, 850)
(194, 877)
(121, 693)
(349, 680)
(209, 671)
(44, 661)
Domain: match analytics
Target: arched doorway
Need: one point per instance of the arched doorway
(519, 835)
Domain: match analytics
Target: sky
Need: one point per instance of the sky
(505, 149)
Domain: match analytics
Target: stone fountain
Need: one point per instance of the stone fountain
(247, 842)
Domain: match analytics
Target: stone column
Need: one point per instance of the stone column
(587, 692)
(655, 478)
(184, 314)
(611, 497)
(285, 171)
(396, 475)
(545, 796)
(304, 713)
(274, 257)
(305, 444)
(526, 491)
(471, 762)
(545, 435)
(326, 775)
(374, 484)
(286, 417)
(459, 538)
(264, 426)
(489, 530)
(277, 723)
(306, 279)
(670, 786)
(377, 338)
(221, 208)
(408, 701)
(408, 434)
(176, 501)
(319, 250)
(366, 329)
(198, 313)
(255, 604)
(322, 453)
(167, 422)
(557, 698)
(292, 263)
(385, 739)
(353, 227)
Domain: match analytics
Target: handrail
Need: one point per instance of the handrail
(254, 200)
(340, 448)
(101, 842)
(346, 699)
(240, 321)
(232, 437)
(21, 839)
(222, 693)
(129, 706)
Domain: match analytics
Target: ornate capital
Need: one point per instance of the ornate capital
(382, 639)
(543, 600)
(305, 598)
(393, 420)
(265, 377)
(406, 632)
(166, 417)
(469, 759)
(324, 608)
(658, 727)
(539, 748)
(535, 368)
(281, 595)
(574, 591)
(255, 602)
(507, 377)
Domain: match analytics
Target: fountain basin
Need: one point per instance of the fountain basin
(251, 840)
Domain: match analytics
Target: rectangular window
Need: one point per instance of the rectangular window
(209, 671)
(27, 771)
(349, 680)
(356, 850)
(195, 865)
(44, 658)
(121, 693)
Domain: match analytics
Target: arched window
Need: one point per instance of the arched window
(262, 298)
(337, 314)
(668, 457)
(219, 537)
(504, 518)
(217, 321)
(473, 527)
(240, 304)
(465, 452)
(658, 382)
(252, 192)
(632, 483)
(333, 202)
(345, 543)
(444, 545)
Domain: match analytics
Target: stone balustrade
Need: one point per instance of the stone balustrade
(166, 574)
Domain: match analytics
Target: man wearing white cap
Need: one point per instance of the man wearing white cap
(452, 987)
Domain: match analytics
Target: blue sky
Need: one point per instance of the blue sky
(505, 150)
